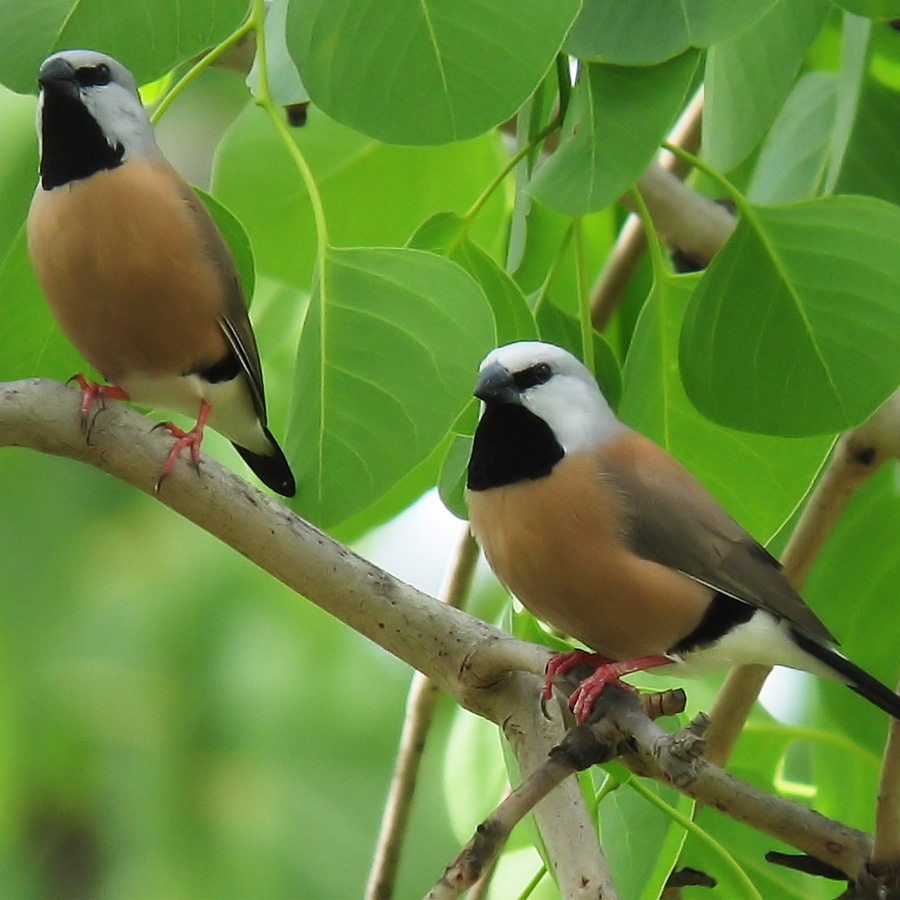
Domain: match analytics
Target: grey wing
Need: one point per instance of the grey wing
(235, 323)
(675, 521)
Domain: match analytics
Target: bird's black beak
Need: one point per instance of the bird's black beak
(57, 76)
(495, 385)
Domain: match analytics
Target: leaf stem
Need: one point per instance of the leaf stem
(264, 100)
(564, 85)
(657, 260)
(728, 861)
(206, 60)
(584, 295)
(511, 163)
(740, 201)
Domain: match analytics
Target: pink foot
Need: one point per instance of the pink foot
(606, 672)
(92, 391)
(565, 662)
(185, 439)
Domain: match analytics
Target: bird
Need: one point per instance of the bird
(604, 535)
(135, 270)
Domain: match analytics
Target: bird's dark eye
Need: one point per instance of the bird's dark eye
(532, 376)
(89, 76)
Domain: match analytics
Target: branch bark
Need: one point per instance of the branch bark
(484, 669)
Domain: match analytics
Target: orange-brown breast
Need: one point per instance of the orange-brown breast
(124, 267)
(558, 543)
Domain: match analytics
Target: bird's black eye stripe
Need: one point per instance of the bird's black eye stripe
(88, 76)
(532, 376)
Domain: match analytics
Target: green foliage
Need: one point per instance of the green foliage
(192, 730)
(369, 308)
(619, 115)
(462, 66)
(822, 350)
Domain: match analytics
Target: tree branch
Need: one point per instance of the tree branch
(484, 669)
(43, 415)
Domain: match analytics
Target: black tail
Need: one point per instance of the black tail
(857, 679)
(272, 469)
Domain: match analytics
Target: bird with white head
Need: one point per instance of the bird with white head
(136, 271)
(606, 536)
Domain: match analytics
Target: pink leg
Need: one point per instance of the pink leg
(565, 662)
(582, 699)
(91, 391)
(185, 439)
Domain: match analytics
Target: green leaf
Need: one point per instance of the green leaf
(31, 343)
(794, 328)
(617, 118)
(452, 482)
(794, 157)
(237, 239)
(398, 498)
(865, 168)
(541, 234)
(18, 164)
(749, 75)
(853, 587)
(634, 833)
(425, 71)
(873, 9)
(373, 194)
(559, 328)
(387, 357)
(524, 626)
(148, 38)
(645, 32)
(854, 55)
(759, 479)
(447, 235)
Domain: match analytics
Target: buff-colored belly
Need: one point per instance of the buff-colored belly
(557, 543)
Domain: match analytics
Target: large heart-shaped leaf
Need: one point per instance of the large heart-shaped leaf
(425, 71)
(386, 362)
(618, 116)
(795, 326)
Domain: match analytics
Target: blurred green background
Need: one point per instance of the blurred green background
(175, 723)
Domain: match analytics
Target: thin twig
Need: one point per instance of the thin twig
(420, 707)
(484, 848)
(583, 746)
